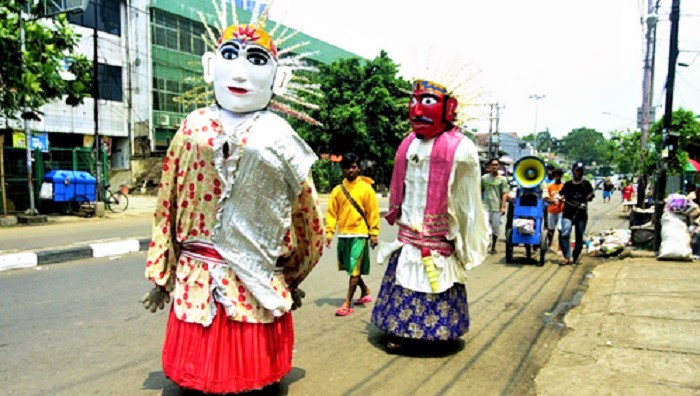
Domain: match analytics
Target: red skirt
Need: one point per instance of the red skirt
(227, 356)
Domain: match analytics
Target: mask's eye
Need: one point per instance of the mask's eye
(229, 52)
(257, 59)
(257, 56)
(427, 101)
(413, 101)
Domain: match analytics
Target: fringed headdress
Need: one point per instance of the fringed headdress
(290, 60)
(449, 76)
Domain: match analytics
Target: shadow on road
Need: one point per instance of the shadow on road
(156, 380)
(412, 348)
(332, 301)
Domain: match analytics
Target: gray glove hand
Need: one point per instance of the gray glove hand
(297, 296)
(155, 299)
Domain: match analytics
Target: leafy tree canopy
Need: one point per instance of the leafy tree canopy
(587, 145)
(49, 42)
(363, 110)
(687, 126)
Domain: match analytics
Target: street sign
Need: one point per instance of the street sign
(652, 116)
(55, 7)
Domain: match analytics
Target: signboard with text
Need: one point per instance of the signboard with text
(39, 140)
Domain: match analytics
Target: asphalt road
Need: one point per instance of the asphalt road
(77, 328)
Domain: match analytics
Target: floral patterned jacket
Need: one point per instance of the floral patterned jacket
(186, 210)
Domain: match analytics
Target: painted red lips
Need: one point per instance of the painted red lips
(237, 91)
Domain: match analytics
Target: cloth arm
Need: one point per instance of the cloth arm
(306, 236)
(163, 250)
(468, 227)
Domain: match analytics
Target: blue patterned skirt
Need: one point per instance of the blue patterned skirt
(423, 316)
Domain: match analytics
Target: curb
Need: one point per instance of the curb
(52, 256)
(31, 259)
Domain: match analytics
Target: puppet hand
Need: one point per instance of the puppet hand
(155, 299)
(297, 296)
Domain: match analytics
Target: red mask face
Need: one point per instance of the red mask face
(430, 110)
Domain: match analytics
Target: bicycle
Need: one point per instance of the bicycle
(115, 202)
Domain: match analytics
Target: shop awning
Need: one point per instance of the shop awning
(692, 166)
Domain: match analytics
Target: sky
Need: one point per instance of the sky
(585, 57)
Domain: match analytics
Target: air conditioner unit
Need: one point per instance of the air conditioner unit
(163, 120)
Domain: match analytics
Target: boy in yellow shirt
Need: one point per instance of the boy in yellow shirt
(353, 209)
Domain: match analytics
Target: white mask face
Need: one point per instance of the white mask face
(242, 75)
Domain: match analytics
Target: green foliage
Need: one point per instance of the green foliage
(326, 175)
(364, 110)
(686, 125)
(626, 151)
(48, 43)
(586, 145)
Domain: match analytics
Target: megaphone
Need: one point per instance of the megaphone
(529, 171)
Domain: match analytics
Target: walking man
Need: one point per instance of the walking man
(575, 194)
(494, 188)
(627, 192)
(555, 207)
(608, 188)
(353, 210)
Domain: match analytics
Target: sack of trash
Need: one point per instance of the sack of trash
(675, 238)
(525, 226)
(608, 243)
(677, 203)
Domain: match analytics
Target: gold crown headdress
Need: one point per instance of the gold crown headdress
(448, 75)
(288, 83)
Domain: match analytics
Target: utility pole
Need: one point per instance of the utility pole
(498, 133)
(25, 113)
(537, 101)
(490, 132)
(647, 94)
(669, 137)
(96, 104)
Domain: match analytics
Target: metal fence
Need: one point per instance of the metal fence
(15, 161)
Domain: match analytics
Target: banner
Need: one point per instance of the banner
(39, 140)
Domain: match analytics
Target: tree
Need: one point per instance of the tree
(49, 44)
(363, 110)
(587, 145)
(686, 125)
(626, 150)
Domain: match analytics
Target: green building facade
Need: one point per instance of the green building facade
(176, 50)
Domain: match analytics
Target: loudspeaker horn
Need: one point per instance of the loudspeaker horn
(529, 171)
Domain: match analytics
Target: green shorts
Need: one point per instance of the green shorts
(353, 256)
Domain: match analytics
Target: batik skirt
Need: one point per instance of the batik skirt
(424, 316)
(227, 356)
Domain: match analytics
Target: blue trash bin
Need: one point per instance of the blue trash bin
(71, 185)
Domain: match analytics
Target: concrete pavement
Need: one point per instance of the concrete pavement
(636, 332)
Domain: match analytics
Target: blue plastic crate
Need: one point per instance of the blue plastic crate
(71, 185)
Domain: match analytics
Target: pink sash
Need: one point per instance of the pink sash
(435, 218)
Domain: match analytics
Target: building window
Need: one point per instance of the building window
(176, 33)
(165, 92)
(110, 82)
(108, 17)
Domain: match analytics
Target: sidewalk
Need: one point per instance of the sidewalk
(636, 332)
(66, 238)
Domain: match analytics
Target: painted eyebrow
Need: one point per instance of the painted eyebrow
(232, 43)
(259, 51)
(427, 95)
